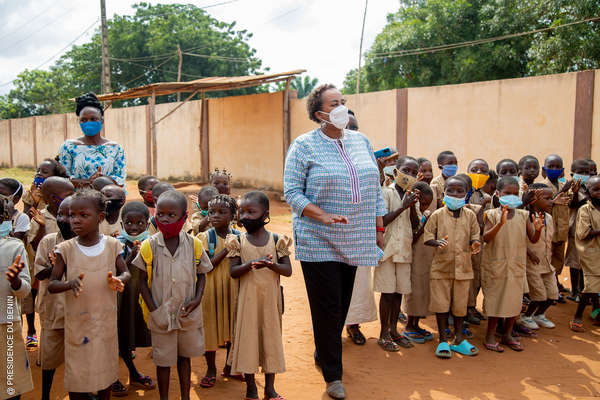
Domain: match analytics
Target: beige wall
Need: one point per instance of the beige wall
(494, 120)
(22, 142)
(246, 137)
(596, 121)
(178, 140)
(127, 126)
(4, 143)
(50, 135)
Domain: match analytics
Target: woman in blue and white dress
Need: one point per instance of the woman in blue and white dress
(91, 155)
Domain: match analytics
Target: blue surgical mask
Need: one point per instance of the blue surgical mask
(389, 170)
(511, 200)
(454, 203)
(91, 128)
(449, 170)
(141, 237)
(562, 180)
(582, 178)
(553, 174)
(5, 228)
(38, 180)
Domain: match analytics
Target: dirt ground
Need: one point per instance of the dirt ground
(558, 365)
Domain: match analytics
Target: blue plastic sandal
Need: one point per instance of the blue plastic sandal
(465, 348)
(443, 350)
(414, 337)
(426, 334)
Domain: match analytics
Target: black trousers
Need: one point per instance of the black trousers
(329, 287)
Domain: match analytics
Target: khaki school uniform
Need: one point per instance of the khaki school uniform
(541, 277)
(588, 219)
(393, 273)
(258, 330)
(219, 300)
(504, 264)
(451, 271)
(109, 229)
(50, 307)
(91, 350)
(193, 223)
(416, 303)
(437, 186)
(560, 215)
(19, 381)
(572, 257)
(173, 284)
(31, 201)
(477, 198)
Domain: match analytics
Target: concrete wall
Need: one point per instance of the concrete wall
(4, 144)
(246, 137)
(494, 120)
(127, 126)
(22, 142)
(50, 131)
(596, 119)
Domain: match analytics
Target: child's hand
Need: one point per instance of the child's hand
(194, 199)
(576, 186)
(427, 214)
(37, 216)
(329, 219)
(114, 283)
(36, 193)
(97, 174)
(539, 221)
(525, 187)
(52, 258)
(504, 215)
(189, 307)
(420, 177)
(410, 199)
(562, 199)
(441, 243)
(77, 285)
(12, 274)
(262, 262)
(475, 247)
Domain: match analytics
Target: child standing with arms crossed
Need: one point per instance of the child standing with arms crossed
(94, 271)
(503, 266)
(587, 237)
(15, 285)
(220, 295)
(172, 277)
(258, 259)
(454, 232)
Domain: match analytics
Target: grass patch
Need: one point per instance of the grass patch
(23, 175)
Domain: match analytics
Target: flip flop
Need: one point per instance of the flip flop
(274, 398)
(494, 347)
(118, 389)
(576, 326)
(465, 348)
(426, 334)
(208, 381)
(356, 336)
(388, 345)
(143, 382)
(414, 336)
(443, 350)
(513, 345)
(237, 377)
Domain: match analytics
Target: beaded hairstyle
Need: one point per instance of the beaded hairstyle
(224, 200)
(218, 172)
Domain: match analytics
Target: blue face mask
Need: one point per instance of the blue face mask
(449, 170)
(141, 237)
(91, 128)
(511, 201)
(5, 228)
(553, 174)
(562, 180)
(423, 219)
(582, 178)
(454, 203)
(38, 180)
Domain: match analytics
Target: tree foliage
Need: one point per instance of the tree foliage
(302, 85)
(143, 50)
(422, 24)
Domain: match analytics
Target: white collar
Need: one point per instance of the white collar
(324, 136)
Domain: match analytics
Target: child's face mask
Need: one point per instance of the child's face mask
(511, 200)
(173, 229)
(454, 203)
(404, 181)
(5, 228)
(478, 180)
(449, 170)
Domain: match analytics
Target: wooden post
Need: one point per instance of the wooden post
(401, 121)
(204, 140)
(584, 115)
(179, 69)
(10, 143)
(287, 138)
(148, 142)
(35, 149)
(65, 127)
(153, 133)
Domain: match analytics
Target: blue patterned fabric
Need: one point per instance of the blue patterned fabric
(341, 177)
(82, 160)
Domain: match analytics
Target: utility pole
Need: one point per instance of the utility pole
(179, 69)
(105, 63)
(360, 50)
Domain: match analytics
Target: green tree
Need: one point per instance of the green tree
(143, 50)
(302, 85)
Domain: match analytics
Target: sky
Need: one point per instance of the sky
(321, 36)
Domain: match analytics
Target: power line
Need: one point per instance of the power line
(217, 57)
(435, 49)
(29, 21)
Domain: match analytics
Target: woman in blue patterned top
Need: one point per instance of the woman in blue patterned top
(91, 155)
(331, 181)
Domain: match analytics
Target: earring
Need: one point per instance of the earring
(269, 220)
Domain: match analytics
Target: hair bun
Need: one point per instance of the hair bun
(88, 100)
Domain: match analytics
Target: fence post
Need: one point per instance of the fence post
(35, 148)
(65, 127)
(10, 143)
(204, 143)
(584, 115)
(148, 141)
(402, 121)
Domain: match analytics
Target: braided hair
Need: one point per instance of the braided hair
(218, 172)
(88, 100)
(224, 200)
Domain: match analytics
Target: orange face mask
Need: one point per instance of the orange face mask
(478, 180)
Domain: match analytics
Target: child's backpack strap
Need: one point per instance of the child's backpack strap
(198, 249)
(153, 222)
(275, 238)
(146, 253)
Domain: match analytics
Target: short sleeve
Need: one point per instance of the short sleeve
(144, 256)
(203, 264)
(474, 229)
(203, 236)
(119, 171)
(41, 256)
(584, 223)
(430, 232)
(233, 246)
(22, 223)
(283, 246)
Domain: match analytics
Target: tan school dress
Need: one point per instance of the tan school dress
(258, 337)
(588, 218)
(219, 300)
(416, 303)
(91, 348)
(503, 265)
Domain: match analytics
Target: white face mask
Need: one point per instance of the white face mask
(338, 117)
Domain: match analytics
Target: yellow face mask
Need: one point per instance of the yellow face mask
(478, 180)
(403, 180)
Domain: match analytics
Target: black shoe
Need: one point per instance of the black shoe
(472, 318)
(562, 289)
(479, 315)
(561, 299)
